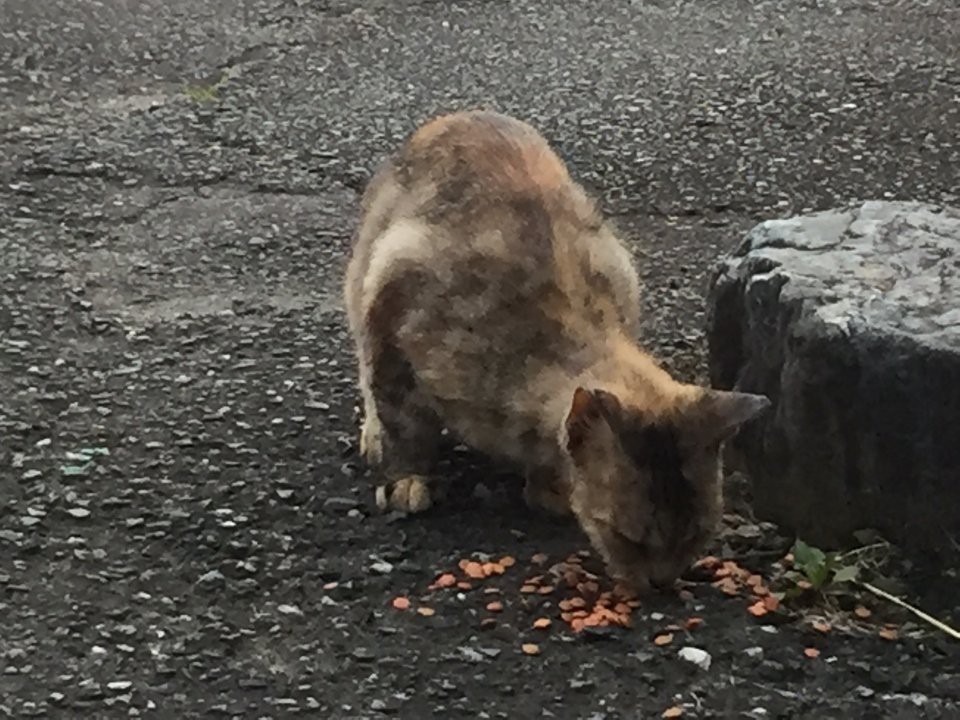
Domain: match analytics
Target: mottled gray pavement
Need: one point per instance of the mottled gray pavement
(177, 183)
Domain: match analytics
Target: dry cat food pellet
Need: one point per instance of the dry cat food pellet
(401, 603)
(530, 649)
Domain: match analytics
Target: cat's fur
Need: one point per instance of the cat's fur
(486, 294)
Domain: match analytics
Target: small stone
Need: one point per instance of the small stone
(119, 685)
(339, 504)
(700, 658)
(78, 512)
(211, 577)
(382, 567)
(363, 654)
(470, 654)
(581, 684)
(755, 652)
(289, 610)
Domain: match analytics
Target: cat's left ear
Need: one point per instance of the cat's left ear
(721, 413)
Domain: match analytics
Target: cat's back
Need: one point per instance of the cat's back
(477, 207)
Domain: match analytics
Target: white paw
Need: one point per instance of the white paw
(410, 495)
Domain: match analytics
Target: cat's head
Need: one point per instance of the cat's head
(647, 488)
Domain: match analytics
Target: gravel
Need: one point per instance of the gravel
(141, 149)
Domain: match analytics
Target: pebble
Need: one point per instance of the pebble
(382, 567)
(700, 658)
(339, 504)
(754, 652)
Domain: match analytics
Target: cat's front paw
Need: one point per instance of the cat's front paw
(410, 494)
(371, 440)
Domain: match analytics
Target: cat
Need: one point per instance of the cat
(486, 294)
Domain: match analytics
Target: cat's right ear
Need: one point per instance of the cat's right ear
(589, 411)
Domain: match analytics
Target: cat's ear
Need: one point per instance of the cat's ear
(590, 411)
(721, 413)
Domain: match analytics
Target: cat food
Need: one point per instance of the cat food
(401, 603)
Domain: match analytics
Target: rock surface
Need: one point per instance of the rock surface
(850, 321)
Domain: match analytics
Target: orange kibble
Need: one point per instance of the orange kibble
(426, 611)
(811, 652)
(567, 617)
(578, 624)
(494, 569)
(542, 623)
(758, 609)
(546, 589)
(463, 564)
(446, 580)
(760, 590)
(804, 585)
(464, 585)
(474, 570)
(693, 623)
(661, 640)
(821, 626)
(539, 559)
(401, 603)
(588, 588)
(530, 649)
(889, 633)
(754, 580)
(507, 561)
(633, 603)
(571, 578)
(527, 589)
(728, 586)
(622, 608)
(861, 612)
(772, 602)
(672, 712)
(495, 606)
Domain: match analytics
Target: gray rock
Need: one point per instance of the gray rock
(850, 321)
